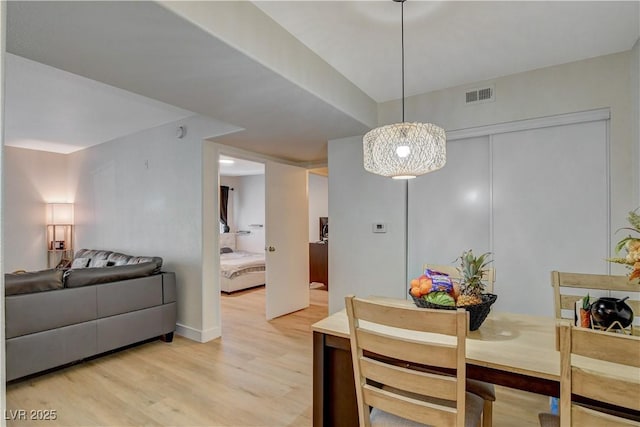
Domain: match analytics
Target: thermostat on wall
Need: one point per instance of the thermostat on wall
(379, 227)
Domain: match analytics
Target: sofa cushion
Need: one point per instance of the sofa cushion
(98, 263)
(119, 259)
(115, 258)
(35, 281)
(94, 255)
(143, 259)
(80, 262)
(99, 259)
(94, 276)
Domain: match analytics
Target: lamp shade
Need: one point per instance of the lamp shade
(404, 150)
(60, 213)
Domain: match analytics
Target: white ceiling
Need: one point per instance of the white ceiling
(144, 48)
(52, 110)
(159, 60)
(240, 167)
(451, 43)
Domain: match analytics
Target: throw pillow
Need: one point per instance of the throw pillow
(97, 263)
(80, 262)
(119, 259)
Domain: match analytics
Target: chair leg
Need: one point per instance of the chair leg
(487, 414)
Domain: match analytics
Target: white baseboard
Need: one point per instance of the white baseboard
(197, 334)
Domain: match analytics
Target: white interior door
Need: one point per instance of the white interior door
(286, 237)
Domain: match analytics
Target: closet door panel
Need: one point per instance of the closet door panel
(448, 210)
(550, 210)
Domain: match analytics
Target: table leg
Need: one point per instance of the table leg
(318, 379)
(334, 392)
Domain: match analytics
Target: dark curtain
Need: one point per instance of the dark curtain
(224, 201)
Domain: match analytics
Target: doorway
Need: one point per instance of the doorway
(285, 225)
(242, 219)
(319, 229)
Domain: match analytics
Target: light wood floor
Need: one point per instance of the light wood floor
(258, 374)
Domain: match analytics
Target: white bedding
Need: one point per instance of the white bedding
(238, 262)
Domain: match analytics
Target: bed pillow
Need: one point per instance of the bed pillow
(225, 250)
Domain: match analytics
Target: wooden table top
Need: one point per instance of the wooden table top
(509, 342)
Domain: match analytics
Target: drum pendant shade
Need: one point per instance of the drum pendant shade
(404, 150)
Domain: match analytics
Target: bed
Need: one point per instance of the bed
(239, 269)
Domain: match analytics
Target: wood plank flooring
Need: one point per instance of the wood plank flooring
(258, 374)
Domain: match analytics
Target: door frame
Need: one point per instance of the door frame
(211, 305)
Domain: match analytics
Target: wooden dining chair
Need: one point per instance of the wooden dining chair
(485, 390)
(389, 344)
(586, 370)
(562, 281)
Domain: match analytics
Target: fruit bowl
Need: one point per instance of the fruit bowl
(477, 312)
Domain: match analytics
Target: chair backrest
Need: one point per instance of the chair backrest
(382, 335)
(488, 278)
(561, 281)
(589, 377)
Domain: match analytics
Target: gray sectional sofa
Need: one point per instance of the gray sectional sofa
(55, 317)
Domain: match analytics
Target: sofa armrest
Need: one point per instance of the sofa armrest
(29, 282)
(168, 287)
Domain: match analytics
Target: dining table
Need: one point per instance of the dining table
(509, 349)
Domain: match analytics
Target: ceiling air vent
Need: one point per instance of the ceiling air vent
(472, 96)
(480, 95)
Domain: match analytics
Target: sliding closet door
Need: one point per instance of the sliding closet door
(550, 210)
(448, 210)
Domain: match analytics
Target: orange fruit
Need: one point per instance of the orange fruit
(424, 288)
(415, 291)
(415, 283)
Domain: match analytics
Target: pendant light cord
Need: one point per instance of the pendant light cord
(402, 44)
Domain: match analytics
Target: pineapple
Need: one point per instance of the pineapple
(471, 270)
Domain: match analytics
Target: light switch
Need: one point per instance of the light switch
(379, 227)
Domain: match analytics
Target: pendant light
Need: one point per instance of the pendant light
(404, 150)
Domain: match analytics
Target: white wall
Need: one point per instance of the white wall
(318, 204)
(33, 178)
(362, 262)
(594, 83)
(143, 194)
(249, 200)
(362, 265)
